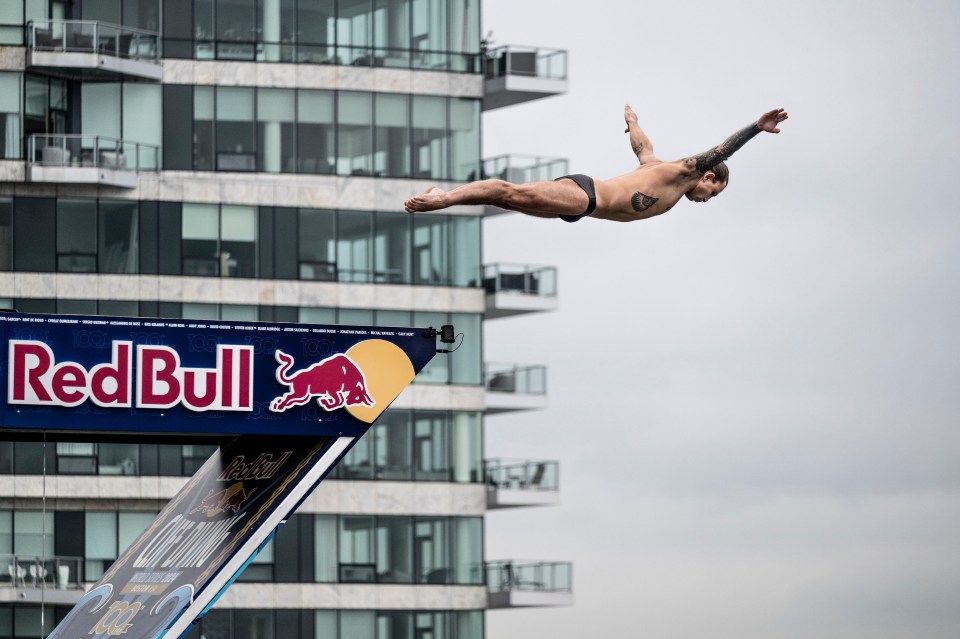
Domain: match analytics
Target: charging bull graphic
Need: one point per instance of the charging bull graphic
(218, 502)
(336, 382)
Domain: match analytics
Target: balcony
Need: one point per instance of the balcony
(522, 483)
(89, 50)
(514, 289)
(512, 388)
(32, 579)
(514, 75)
(513, 584)
(88, 159)
(520, 169)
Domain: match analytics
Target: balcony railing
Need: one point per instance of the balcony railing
(88, 36)
(31, 571)
(522, 475)
(520, 278)
(524, 168)
(522, 380)
(526, 61)
(513, 576)
(93, 151)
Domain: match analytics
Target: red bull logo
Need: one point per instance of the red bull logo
(335, 382)
(220, 501)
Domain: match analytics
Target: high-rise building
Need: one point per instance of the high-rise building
(248, 160)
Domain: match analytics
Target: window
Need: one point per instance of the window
(236, 29)
(430, 34)
(356, 541)
(6, 233)
(357, 624)
(431, 558)
(76, 458)
(119, 237)
(394, 541)
(467, 450)
(466, 363)
(354, 133)
(11, 24)
(325, 552)
(317, 245)
(431, 449)
(464, 139)
(392, 438)
(429, 137)
(9, 112)
(354, 246)
(236, 147)
(392, 136)
(358, 463)
(355, 32)
(465, 262)
(392, 248)
(467, 540)
(203, 128)
(316, 32)
(238, 241)
(315, 131)
(142, 124)
(100, 543)
(77, 236)
(201, 234)
(391, 33)
(430, 249)
(275, 130)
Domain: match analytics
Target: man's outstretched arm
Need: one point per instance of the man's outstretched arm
(639, 141)
(705, 161)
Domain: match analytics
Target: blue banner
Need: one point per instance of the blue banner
(140, 375)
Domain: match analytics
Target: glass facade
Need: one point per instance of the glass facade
(318, 131)
(211, 240)
(440, 35)
(374, 549)
(288, 128)
(249, 129)
(339, 624)
(404, 445)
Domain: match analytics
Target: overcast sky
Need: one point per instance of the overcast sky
(755, 400)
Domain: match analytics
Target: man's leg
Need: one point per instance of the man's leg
(542, 199)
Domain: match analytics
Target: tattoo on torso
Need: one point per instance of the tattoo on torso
(641, 202)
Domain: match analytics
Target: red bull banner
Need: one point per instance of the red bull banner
(297, 397)
(177, 568)
(95, 374)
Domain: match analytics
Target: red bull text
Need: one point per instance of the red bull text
(35, 377)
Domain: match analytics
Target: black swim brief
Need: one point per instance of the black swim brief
(585, 182)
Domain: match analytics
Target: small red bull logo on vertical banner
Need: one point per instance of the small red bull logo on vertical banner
(336, 382)
(219, 502)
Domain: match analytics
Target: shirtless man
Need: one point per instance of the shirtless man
(652, 188)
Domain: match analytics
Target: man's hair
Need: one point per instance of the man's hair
(722, 173)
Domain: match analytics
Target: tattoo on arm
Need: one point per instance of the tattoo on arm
(641, 202)
(637, 148)
(709, 159)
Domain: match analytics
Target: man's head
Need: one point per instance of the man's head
(710, 185)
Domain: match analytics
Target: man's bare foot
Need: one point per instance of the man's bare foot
(430, 200)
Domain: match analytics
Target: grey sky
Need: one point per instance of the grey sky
(754, 400)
